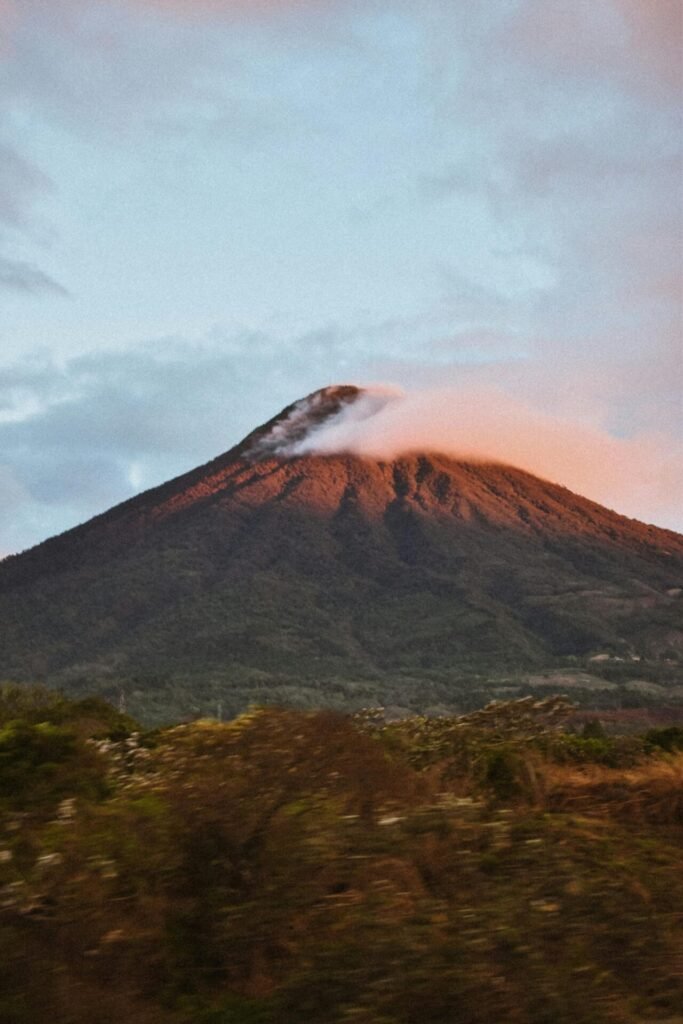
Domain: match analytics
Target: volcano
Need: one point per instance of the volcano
(274, 574)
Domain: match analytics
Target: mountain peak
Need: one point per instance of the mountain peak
(287, 431)
(292, 561)
(299, 428)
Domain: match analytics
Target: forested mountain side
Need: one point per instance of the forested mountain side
(341, 580)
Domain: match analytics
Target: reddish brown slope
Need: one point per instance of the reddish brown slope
(339, 567)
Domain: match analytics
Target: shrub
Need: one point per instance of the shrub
(45, 762)
(611, 751)
(669, 738)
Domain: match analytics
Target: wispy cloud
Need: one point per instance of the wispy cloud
(635, 42)
(21, 185)
(15, 275)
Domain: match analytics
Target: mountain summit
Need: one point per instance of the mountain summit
(298, 422)
(276, 574)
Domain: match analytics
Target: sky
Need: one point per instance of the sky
(209, 209)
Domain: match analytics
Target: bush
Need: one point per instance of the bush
(669, 738)
(88, 717)
(502, 772)
(611, 751)
(45, 762)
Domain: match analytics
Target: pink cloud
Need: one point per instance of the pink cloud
(641, 476)
(9, 14)
(656, 36)
(638, 41)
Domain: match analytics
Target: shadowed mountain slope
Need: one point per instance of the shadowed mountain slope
(262, 567)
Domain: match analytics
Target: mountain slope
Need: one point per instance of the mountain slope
(264, 568)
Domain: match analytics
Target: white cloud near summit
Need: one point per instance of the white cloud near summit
(641, 476)
(78, 439)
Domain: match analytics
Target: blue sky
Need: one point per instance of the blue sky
(209, 209)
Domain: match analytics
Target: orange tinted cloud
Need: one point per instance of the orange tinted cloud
(656, 30)
(638, 41)
(8, 17)
(640, 476)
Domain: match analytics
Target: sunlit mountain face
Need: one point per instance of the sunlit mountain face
(277, 574)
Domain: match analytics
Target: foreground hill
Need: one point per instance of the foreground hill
(267, 575)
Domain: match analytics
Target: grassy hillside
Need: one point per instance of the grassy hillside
(297, 866)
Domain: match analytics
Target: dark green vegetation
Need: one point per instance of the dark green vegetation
(339, 581)
(292, 866)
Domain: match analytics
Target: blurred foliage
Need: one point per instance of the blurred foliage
(40, 763)
(293, 866)
(89, 716)
(669, 738)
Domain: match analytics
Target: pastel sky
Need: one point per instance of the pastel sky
(210, 208)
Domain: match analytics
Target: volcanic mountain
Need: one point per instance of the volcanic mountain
(272, 574)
